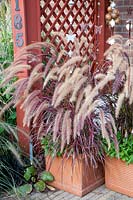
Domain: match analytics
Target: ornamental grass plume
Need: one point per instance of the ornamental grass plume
(64, 99)
(120, 54)
(121, 97)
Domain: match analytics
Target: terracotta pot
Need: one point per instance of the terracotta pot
(119, 176)
(78, 178)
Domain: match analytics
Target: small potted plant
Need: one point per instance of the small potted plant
(119, 167)
(119, 157)
(119, 162)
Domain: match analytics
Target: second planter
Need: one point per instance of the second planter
(119, 176)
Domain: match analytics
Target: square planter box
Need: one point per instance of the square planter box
(78, 178)
(119, 176)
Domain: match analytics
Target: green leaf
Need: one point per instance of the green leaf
(40, 186)
(1, 129)
(24, 190)
(7, 96)
(59, 154)
(30, 172)
(13, 115)
(33, 179)
(47, 176)
(131, 160)
(125, 148)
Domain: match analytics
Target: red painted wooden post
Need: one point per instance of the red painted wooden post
(26, 30)
(105, 30)
(101, 37)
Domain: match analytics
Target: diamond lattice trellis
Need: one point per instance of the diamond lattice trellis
(59, 16)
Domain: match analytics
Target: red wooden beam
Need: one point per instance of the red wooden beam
(102, 38)
(26, 30)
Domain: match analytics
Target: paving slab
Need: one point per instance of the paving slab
(101, 193)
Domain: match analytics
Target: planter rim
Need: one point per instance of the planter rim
(117, 159)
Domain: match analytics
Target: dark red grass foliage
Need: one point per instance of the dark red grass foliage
(62, 98)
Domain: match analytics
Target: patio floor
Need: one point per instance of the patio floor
(100, 193)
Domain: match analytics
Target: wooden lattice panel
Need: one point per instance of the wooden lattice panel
(72, 20)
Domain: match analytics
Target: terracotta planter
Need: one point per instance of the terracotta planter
(78, 179)
(119, 176)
